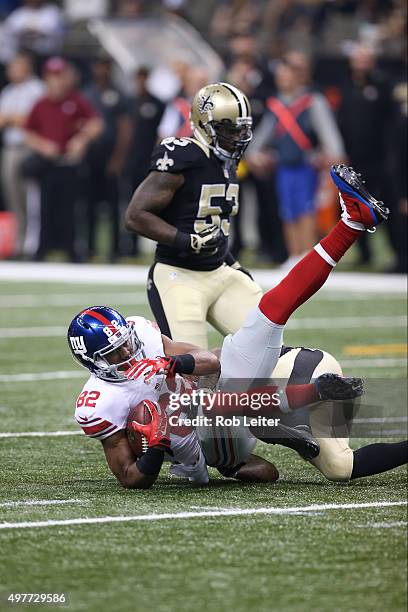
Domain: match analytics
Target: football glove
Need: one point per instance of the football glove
(207, 241)
(157, 432)
(145, 369)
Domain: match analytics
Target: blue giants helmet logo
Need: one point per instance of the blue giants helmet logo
(93, 336)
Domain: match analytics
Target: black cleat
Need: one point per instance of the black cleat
(335, 387)
(299, 439)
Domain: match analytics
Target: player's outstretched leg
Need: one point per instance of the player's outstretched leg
(360, 212)
(253, 351)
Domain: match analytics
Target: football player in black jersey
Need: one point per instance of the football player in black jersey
(185, 204)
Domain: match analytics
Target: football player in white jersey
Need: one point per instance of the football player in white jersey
(130, 364)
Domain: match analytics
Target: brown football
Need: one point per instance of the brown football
(137, 441)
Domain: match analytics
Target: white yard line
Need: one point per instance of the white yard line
(39, 434)
(346, 322)
(189, 515)
(384, 525)
(37, 376)
(388, 362)
(399, 419)
(33, 332)
(301, 323)
(138, 297)
(132, 274)
(42, 434)
(42, 502)
(71, 299)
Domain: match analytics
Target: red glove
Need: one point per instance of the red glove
(157, 432)
(147, 368)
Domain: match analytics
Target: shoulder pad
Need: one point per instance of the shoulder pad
(175, 155)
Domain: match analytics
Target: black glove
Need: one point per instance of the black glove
(207, 241)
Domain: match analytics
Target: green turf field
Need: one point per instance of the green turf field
(234, 547)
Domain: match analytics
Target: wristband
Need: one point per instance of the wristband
(151, 462)
(182, 364)
(182, 241)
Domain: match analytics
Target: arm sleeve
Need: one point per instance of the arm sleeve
(325, 126)
(263, 135)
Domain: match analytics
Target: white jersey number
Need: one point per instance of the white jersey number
(206, 209)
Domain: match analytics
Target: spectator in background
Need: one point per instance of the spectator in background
(147, 112)
(364, 117)
(59, 130)
(37, 26)
(245, 74)
(16, 101)
(176, 117)
(397, 148)
(301, 134)
(106, 155)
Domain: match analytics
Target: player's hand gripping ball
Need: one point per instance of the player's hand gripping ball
(147, 427)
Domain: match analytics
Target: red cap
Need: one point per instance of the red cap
(54, 65)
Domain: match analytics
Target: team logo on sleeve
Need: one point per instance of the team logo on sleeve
(78, 345)
(164, 163)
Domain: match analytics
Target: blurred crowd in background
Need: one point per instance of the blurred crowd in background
(326, 80)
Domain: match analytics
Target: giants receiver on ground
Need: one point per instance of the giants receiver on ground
(131, 362)
(185, 204)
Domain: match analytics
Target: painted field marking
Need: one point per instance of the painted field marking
(39, 434)
(33, 332)
(346, 322)
(42, 502)
(67, 374)
(384, 525)
(71, 432)
(375, 349)
(189, 515)
(399, 419)
(305, 323)
(71, 299)
(38, 376)
(131, 274)
(374, 363)
(138, 297)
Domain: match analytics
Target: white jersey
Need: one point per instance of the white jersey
(102, 407)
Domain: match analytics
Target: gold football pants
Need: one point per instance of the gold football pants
(183, 301)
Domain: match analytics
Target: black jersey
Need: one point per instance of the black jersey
(208, 196)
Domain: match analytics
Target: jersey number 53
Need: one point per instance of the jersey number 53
(207, 209)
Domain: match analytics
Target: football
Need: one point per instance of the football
(137, 441)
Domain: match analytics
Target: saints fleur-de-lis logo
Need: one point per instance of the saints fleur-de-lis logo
(205, 104)
(164, 163)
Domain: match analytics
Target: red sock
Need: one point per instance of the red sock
(308, 275)
(339, 240)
